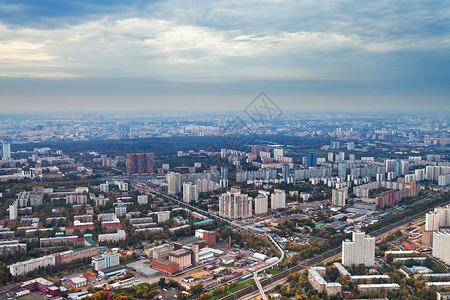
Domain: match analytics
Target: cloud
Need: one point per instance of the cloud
(229, 42)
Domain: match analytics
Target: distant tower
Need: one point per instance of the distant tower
(311, 160)
(286, 172)
(224, 172)
(6, 151)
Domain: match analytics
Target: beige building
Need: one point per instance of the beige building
(261, 204)
(234, 205)
(278, 199)
(315, 278)
(182, 257)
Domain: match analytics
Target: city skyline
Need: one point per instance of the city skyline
(207, 56)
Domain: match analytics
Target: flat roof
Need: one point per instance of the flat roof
(180, 252)
(113, 269)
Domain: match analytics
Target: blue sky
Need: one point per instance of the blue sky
(218, 55)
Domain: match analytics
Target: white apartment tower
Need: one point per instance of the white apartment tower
(441, 246)
(173, 183)
(339, 196)
(261, 204)
(190, 192)
(13, 210)
(438, 218)
(361, 250)
(278, 199)
(142, 199)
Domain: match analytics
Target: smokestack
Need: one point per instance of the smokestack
(195, 250)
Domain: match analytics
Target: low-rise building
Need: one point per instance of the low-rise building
(165, 266)
(367, 288)
(315, 278)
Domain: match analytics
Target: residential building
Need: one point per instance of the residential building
(311, 160)
(173, 183)
(190, 192)
(441, 246)
(142, 199)
(13, 212)
(120, 235)
(120, 210)
(361, 250)
(24, 267)
(6, 151)
(261, 204)
(278, 199)
(315, 278)
(339, 196)
(163, 216)
(140, 163)
(234, 205)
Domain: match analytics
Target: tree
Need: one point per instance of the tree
(162, 282)
(196, 289)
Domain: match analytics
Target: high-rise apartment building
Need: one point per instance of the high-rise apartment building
(190, 192)
(278, 199)
(224, 172)
(311, 160)
(261, 204)
(140, 163)
(173, 183)
(6, 151)
(13, 210)
(278, 153)
(234, 205)
(441, 245)
(342, 172)
(286, 172)
(339, 196)
(438, 218)
(361, 250)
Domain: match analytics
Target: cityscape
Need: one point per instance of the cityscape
(224, 150)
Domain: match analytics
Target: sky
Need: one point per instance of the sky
(117, 55)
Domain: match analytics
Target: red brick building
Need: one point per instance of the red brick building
(165, 266)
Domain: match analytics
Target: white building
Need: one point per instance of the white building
(104, 261)
(6, 151)
(163, 216)
(173, 183)
(438, 218)
(190, 192)
(13, 210)
(261, 204)
(361, 250)
(278, 154)
(104, 187)
(142, 199)
(278, 199)
(120, 210)
(444, 180)
(112, 237)
(441, 246)
(234, 205)
(24, 267)
(339, 196)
